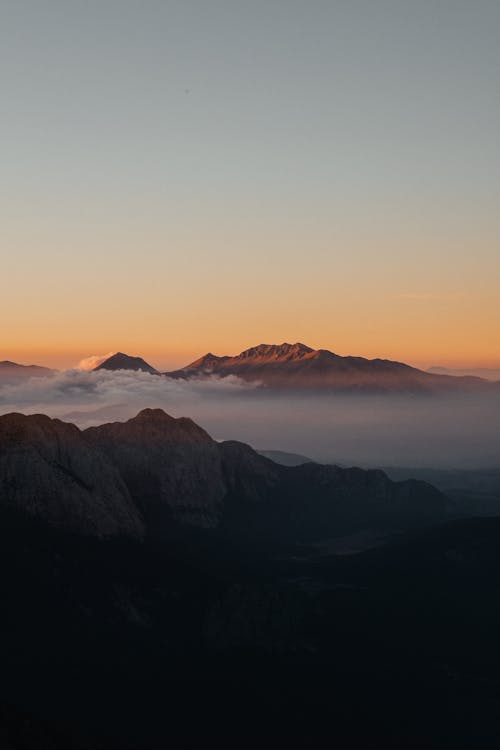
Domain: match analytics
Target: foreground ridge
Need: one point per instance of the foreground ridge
(155, 473)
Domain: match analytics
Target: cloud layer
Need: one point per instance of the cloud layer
(370, 430)
(88, 397)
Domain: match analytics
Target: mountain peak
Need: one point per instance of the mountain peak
(276, 352)
(160, 419)
(297, 366)
(154, 426)
(152, 415)
(207, 362)
(121, 361)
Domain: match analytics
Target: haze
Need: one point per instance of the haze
(441, 432)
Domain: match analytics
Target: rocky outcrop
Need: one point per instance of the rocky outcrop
(49, 471)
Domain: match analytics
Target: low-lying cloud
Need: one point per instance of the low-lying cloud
(84, 392)
(459, 431)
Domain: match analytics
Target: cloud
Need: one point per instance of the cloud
(87, 397)
(375, 430)
(89, 363)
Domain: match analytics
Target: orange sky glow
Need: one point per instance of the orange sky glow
(185, 180)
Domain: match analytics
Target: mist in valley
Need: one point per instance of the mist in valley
(454, 432)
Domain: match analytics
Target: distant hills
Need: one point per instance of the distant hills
(488, 373)
(11, 372)
(285, 458)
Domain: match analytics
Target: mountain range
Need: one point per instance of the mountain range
(155, 473)
(487, 373)
(291, 366)
(297, 366)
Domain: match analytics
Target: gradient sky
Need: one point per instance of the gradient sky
(178, 177)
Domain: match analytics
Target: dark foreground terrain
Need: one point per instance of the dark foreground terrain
(191, 624)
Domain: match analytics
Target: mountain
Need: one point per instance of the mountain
(50, 472)
(113, 638)
(476, 492)
(120, 361)
(171, 467)
(177, 474)
(487, 373)
(301, 367)
(284, 458)
(157, 473)
(11, 372)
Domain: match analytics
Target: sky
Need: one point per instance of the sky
(192, 176)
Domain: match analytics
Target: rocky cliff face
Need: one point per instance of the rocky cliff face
(172, 467)
(48, 470)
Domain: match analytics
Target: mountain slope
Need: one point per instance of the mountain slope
(120, 361)
(284, 458)
(286, 640)
(50, 472)
(176, 473)
(160, 473)
(486, 373)
(172, 467)
(299, 366)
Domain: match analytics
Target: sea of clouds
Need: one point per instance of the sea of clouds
(451, 432)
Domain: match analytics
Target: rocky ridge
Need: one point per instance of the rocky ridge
(154, 473)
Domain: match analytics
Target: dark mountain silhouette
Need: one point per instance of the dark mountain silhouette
(171, 466)
(165, 473)
(227, 618)
(120, 361)
(285, 458)
(118, 644)
(299, 366)
(176, 472)
(12, 372)
(475, 491)
(49, 471)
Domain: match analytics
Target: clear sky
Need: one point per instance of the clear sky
(193, 175)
